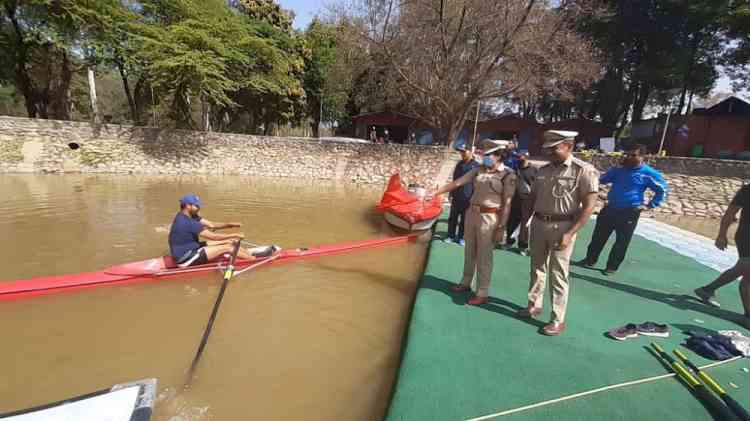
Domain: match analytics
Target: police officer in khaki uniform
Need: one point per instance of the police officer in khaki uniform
(564, 194)
(494, 186)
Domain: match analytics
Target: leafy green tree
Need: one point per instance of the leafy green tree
(737, 55)
(328, 75)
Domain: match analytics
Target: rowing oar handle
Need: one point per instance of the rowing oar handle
(227, 276)
(735, 406)
(713, 403)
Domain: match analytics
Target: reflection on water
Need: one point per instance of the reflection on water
(318, 339)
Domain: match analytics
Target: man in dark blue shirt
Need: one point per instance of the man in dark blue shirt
(624, 207)
(741, 202)
(461, 196)
(188, 227)
(520, 211)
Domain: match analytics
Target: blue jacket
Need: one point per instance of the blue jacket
(630, 184)
(463, 193)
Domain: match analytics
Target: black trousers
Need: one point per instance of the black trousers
(514, 220)
(457, 219)
(623, 223)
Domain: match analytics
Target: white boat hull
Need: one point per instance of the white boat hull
(123, 402)
(399, 222)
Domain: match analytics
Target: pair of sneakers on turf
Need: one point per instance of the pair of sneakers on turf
(632, 330)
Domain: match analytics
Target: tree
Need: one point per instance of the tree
(273, 93)
(36, 35)
(737, 57)
(653, 52)
(444, 56)
(329, 73)
(268, 11)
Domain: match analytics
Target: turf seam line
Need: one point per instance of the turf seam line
(592, 391)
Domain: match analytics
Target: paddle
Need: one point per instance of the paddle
(227, 276)
(735, 406)
(713, 403)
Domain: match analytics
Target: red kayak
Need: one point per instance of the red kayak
(163, 267)
(408, 209)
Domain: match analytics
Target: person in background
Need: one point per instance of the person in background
(741, 269)
(494, 186)
(386, 136)
(563, 197)
(373, 135)
(512, 161)
(525, 177)
(461, 196)
(624, 206)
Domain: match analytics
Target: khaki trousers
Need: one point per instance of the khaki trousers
(546, 259)
(527, 207)
(478, 235)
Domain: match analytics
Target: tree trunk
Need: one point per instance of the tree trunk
(688, 74)
(180, 110)
(59, 91)
(22, 78)
(92, 96)
(205, 115)
(317, 118)
(126, 87)
(640, 103)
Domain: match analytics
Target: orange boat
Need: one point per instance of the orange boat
(409, 209)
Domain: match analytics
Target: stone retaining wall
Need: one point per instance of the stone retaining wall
(28, 145)
(685, 166)
(698, 187)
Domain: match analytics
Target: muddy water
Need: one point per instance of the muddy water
(314, 340)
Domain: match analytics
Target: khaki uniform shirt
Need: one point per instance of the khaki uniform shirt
(491, 188)
(559, 189)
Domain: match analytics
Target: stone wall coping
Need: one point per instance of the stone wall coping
(104, 127)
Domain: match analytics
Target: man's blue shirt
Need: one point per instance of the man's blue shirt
(183, 236)
(463, 193)
(630, 184)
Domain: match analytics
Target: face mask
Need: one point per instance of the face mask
(488, 161)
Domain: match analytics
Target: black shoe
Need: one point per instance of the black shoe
(707, 297)
(584, 263)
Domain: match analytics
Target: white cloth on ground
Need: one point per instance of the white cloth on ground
(739, 340)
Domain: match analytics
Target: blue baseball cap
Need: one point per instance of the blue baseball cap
(191, 199)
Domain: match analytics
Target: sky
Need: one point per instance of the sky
(305, 10)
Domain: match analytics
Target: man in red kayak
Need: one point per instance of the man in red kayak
(188, 227)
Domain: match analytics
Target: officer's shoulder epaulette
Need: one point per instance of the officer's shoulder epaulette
(583, 164)
(545, 165)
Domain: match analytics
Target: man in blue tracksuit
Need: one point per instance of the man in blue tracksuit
(624, 207)
(461, 196)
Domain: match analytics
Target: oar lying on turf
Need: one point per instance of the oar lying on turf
(711, 401)
(735, 406)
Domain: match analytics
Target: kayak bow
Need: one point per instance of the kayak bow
(164, 267)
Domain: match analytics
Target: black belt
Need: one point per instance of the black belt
(553, 218)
